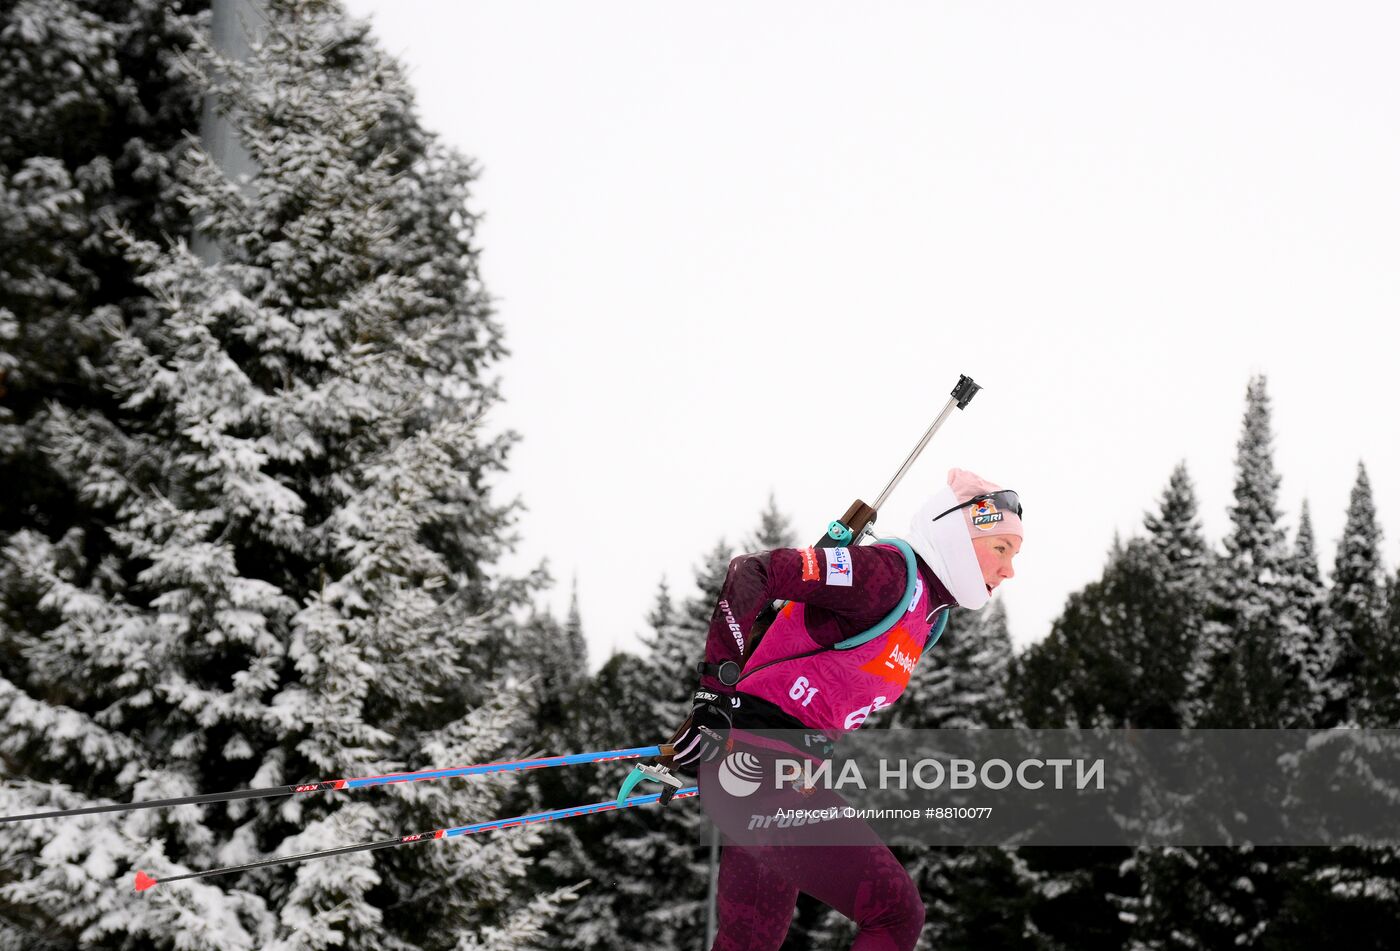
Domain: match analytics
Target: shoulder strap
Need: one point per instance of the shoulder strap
(911, 573)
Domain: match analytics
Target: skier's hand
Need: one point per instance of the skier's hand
(704, 733)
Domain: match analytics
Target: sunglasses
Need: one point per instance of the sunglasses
(1006, 500)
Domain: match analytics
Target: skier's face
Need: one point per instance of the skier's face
(994, 554)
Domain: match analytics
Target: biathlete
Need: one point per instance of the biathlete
(811, 672)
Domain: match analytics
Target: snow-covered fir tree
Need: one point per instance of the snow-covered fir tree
(961, 681)
(94, 118)
(1175, 528)
(659, 859)
(1179, 602)
(553, 657)
(573, 713)
(1317, 648)
(1386, 665)
(774, 529)
(276, 559)
(646, 867)
(1250, 671)
(1352, 895)
(1357, 606)
(1091, 670)
(1120, 652)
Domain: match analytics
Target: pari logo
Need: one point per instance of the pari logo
(740, 774)
(985, 514)
(838, 567)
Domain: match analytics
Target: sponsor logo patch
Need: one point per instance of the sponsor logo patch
(733, 625)
(857, 717)
(896, 662)
(810, 571)
(918, 593)
(838, 567)
(985, 515)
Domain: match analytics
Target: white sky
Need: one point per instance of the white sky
(724, 235)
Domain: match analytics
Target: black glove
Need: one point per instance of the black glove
(704, 733)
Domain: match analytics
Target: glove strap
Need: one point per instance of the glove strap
(727, 672)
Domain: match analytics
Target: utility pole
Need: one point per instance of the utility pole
(233, 27)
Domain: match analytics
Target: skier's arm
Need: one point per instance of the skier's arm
(858, 586)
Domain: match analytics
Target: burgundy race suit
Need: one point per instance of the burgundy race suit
(794, 679)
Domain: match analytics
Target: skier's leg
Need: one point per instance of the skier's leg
(754, 903)
(866, 883)
(831, 855)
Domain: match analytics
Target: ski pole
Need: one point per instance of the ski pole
(602, 756)
(144, 881)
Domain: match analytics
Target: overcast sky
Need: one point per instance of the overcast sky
(749, 247)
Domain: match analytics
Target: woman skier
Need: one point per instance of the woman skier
(812, 671)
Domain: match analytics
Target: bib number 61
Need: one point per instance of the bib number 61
(801, 686)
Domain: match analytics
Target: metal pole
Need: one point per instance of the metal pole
(711, 923)
(961, 396)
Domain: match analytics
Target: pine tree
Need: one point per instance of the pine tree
(1175, 606)
(646, 867)
(962, 681)
(674, 656)
(1175, 528)
(1120, 653)
(1358, 606)
(95, 116)
(551, 663)
(554, 657)
(275, 558)
(1250, 674)
(1386, 665)
(1089, 671)
(611, 862)
(678, 840)
(774, 529)
(95, 119)
(1060, 681)
(1352, 894)
(1316, 649)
